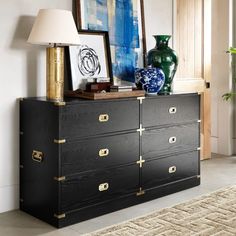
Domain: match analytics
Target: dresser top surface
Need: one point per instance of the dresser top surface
(81, 100)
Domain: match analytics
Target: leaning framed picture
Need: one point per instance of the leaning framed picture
(90, 60)
(124, 20)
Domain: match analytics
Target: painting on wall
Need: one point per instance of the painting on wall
(123, 20)
(90, 59)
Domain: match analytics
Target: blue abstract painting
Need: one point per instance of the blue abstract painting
(120, 18)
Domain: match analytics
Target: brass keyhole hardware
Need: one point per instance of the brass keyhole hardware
(103, 187)
(103, 117)
(104, 152)
(172, 110)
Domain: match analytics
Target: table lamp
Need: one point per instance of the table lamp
(55, 28)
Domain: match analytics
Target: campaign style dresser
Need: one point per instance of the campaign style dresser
(80, 158)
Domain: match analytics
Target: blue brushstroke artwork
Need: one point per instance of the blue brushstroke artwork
(120, 18)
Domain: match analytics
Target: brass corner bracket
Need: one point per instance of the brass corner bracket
(141, 99)
(60, 216)
(60, 178)
(59, 141)
(141, 192)
(141, 129)
(59, 103)
(140, 161)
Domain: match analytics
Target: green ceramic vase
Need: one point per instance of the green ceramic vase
(165, 58)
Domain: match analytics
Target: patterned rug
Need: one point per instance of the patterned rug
(212, 214)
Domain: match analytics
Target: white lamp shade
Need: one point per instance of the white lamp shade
(54, 26)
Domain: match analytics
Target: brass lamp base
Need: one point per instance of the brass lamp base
(55, 73)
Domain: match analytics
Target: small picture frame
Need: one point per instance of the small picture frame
(91, 60)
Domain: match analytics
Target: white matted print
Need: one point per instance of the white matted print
(90, 59)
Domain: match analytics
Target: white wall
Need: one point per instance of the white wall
(221, 112)
(158, 19)
(234, 73)
(22, 70)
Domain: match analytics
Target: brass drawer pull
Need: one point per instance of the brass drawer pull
(172, 110)
(103, 187)
(103, 117)
(37, 156)
(104, 152)
(172, 139)
(172, 169)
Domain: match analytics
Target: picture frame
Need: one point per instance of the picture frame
(127, 36)
(90, 60)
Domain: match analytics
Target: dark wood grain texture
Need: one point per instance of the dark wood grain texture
(83, 120)
(81, 170)
(83, 189)
(83, 155)
(172, 139)
(156, 112)
(157, 172)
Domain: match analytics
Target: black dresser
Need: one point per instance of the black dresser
(80, 159)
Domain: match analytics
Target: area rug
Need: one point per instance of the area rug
(212, 214)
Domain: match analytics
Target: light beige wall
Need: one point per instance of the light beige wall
(221, 112)
(234, 74)
(158, 19)
(22, 70)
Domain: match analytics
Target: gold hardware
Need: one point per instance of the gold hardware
(172, 169)
(60, 216)
(103, 117)
(103, 187)
(59, 141)
(198, 176)
(21, 133)
(140, 162)
(141, 99)
(21, 166)
(172, 110)
(141, 129)
(59, 103)
(198, 149)
(37, 156)
(172, 139)
(104, 152)
(141, 192)
(199, 121)
(55, 73)
(60, 178)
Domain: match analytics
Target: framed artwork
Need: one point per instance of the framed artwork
(124, 20)
(91, 59)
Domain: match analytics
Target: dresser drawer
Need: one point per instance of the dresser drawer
(98, 186)
(169, 169)
(99, 153)
(86, 119)
(170, 110)
(163, 141)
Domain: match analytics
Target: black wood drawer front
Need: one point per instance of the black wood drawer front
(170, 110)
(99, 153)
(98, 118)
(84, 190)
(169, 169)
(168, 140)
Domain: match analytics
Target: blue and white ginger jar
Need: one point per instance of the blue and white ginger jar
(150, 79)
